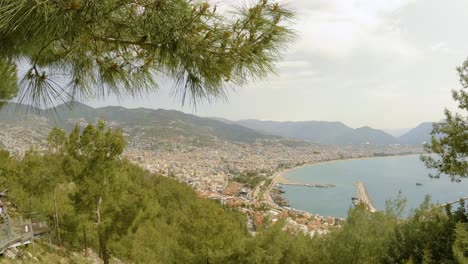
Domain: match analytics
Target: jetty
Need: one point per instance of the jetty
(362, 197)
(316, 185)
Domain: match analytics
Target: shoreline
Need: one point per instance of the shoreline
(279, 178)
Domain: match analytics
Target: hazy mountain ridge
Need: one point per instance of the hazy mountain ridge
(324, 132)
(138, 122)
(417, 135)
(152, 124)
(396, 132)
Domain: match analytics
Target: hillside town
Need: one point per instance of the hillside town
(213, 173)
(214, 170)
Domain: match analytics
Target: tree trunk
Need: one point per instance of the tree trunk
(103, 252)
(85, 240)
(57, 227)
(103, 246)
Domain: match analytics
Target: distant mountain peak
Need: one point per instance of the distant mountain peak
(325, 132)
(418, 135)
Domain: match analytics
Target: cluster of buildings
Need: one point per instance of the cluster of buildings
(212, 170)
(18, 139)
(262, 213)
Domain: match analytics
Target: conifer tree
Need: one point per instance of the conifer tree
(94, 154)
(88, 48)
(460, 247)
(450, 138)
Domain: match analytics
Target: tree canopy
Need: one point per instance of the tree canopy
(87, 48)
(450, 137)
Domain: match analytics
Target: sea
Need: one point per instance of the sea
(384, 178)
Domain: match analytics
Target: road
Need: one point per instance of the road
(254, 194)
(267, 194)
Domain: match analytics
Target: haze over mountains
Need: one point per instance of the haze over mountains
(336, 132)
(417, 133)
(162, 123)
(139, 122)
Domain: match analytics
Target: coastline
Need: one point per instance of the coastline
(279, 178)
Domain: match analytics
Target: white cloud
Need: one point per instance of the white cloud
(337, 27)
(440, 47)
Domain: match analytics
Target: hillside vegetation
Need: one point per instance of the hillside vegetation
(94, 199)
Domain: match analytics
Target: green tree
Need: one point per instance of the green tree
(119, 47)
(362, 238)
(8, 84)
(275, 245)
(427, 236)
(460, 246)
(56, 141)
(94, 154)
(450, 138)
(8, 167)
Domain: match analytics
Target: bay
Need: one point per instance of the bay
(384, 178)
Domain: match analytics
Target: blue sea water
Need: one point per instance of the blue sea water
(383, 177)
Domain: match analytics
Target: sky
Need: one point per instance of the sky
(387, 64)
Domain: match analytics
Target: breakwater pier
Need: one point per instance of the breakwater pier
(362, 197)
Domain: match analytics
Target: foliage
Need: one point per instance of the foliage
(274, 245)
(460, 247)
(121, 47)
(250, 179)
(426, 237)
(8, 85)
(450, 137)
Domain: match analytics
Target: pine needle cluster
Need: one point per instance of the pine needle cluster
(89, 49)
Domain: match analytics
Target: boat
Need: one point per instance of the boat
(418, 184)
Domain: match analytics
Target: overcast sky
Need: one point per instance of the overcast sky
(382, 63)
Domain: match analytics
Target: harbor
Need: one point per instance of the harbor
(384, 179)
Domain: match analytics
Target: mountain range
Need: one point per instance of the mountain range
(419, 134)
(336, 132)
(160, 123)
(148, 124)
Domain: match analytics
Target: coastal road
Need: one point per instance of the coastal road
(267, 197)
(254, 194)
(267, 194)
